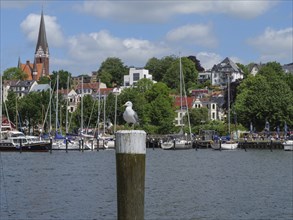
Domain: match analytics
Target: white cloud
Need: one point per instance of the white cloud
(208, 60)
(274, 45)
(196, 34)
(246, 9)
(158, 11)
(30, 27)
(92, 49)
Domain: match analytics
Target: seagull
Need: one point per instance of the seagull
(129, 114)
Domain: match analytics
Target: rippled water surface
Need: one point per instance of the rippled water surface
(187, 184)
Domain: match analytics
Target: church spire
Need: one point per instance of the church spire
(42, 38)
(42, 48)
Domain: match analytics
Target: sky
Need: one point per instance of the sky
(83, 34)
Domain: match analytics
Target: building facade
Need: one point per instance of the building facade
(221, 72)
(136, 74)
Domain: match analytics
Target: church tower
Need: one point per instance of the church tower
(42, 49)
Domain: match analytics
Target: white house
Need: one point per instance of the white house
(135, 74)
(221, 71)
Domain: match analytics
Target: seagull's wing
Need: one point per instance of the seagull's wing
(136, 117)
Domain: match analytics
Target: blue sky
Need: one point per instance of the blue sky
(82, 34)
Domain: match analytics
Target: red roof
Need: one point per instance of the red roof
(28, 69)
(189, 101)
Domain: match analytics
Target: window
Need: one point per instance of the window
(213, 106)
(135, 76)
(213, 115)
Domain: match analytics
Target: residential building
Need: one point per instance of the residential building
(288, 68)
(221, 71)
(182, 105)
(22, 88)
(135, 74)
(89, 88)
(204, 76)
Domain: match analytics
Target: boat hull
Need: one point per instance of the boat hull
(181, 145)
(288, 145)
(7, 147)
(224, 146)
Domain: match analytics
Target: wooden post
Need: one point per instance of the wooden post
(98, 143)
(130, 173)
(20, 145)
(92, 144)
(174, 141)
(51, 143)
(82, 145)
(66, 144)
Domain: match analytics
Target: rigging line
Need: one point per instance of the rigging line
(186, 103)
(90, 116)
(51, 96)
(7, 115)
(4, 183)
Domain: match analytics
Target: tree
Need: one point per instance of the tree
(172, 77)
(14, 73)
(10, 104)
(196, 62)
(244, 69)
(44, 80)
(63, 78)
(198, 116)
(32, 108)
(161, 115)
(115, 67)
(158, 67)
(265, 97)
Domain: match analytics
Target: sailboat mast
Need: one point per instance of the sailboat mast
(57, 88)
(1, 101)
(104, 114)
(66, 118)
(180, 76)
(81, 103)
(50, 104)
(229, 127)
(99, 109)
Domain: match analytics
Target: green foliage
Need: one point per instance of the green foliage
(32, 108)
(44, 80)
(14, 73)
(63, 78)
(106, 78)
(112, 66)
(157, 67)
(267, 96)
(10, 104)
(289, 80)
(172, 76)
(244, 69)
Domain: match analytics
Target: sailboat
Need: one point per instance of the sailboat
(229, 144)
(180, 140)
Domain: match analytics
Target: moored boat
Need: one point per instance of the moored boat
(229, 145)
(288, 144)
(176, 144)
(17, 141)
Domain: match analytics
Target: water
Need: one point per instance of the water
(187, 184)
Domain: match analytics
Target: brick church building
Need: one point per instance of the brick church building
(40, 66)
